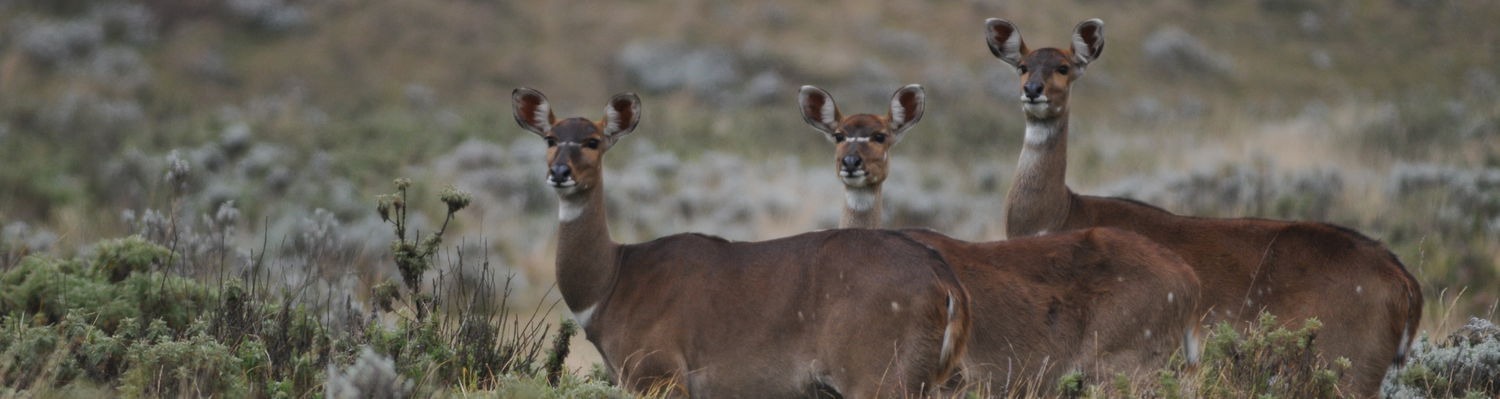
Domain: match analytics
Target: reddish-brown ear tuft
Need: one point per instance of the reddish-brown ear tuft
(1005, 41)
(621, 115)
(819, 110)
(907, 107)
(1088, 41)
(532, 111)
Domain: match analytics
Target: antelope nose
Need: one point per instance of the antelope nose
(1033, 89)
(852, 162)
(561, 173)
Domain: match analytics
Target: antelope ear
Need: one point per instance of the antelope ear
(1088, 41)
(819, 110)
(907, 107)
(532, 111)
(1005, 41)
(621, 115)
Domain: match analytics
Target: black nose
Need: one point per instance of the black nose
(1033, 89)
(852, 162)
(561, 173)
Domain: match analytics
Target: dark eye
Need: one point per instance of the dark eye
(551, 142)
(592, 143)
(878, 137)
(1062, 69)
(838, 137)
(1022, 69)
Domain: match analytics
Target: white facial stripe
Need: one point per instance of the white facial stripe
(857, 139)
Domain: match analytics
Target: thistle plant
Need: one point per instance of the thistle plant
(414, 256)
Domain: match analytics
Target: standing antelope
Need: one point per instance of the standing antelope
(850, 313)
(1099, 300)
(1368, 303)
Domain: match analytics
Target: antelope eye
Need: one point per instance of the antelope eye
(838, 137)
(878, 137)
(1022, 69)
(551, 142)
(592, 143)
(1062, 69)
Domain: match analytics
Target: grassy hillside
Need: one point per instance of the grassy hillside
(257, 132)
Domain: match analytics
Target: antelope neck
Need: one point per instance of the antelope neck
(1038, 201)
(861, 207)
(586, 256)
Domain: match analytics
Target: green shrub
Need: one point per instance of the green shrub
(177, 368)
(1465, 364)
(120, 258)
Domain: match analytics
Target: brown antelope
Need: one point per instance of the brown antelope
(1368, 303)
(849, 313)
(1099, 300)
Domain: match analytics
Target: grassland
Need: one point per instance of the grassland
(250, 137)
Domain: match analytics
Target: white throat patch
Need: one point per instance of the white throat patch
(859, 199)
(1040, 132)
(568, 210)
(584, 316)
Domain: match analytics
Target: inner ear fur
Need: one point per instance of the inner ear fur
(819, 110)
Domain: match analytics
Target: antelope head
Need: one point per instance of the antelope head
(576, 146)
(863, 142)
(1046, 73)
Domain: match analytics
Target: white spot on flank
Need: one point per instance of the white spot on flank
(583, 316)
(1120, 279)
(859, 200)
(1359, 289)
(1170, 297)
(1148, 333)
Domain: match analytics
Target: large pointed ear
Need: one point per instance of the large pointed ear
(819, 111)
(621, 115)
(1088, 41)
(907, 107)
(1005, 41)
(533, 112)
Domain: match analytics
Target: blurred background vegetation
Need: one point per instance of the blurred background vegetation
(268, 126)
